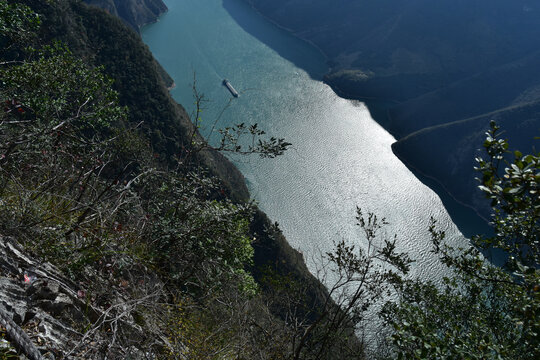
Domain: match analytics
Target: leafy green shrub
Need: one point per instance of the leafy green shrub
(193, 236)
(483, 311)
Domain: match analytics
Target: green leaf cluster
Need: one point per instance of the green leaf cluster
(482, 311)
(197, 239)
(18, 24)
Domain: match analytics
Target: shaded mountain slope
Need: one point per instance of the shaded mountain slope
(135, 13)
(419, 36)
(422, 63)
(446, 152)
(498, 87)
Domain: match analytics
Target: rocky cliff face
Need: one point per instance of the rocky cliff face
(135, 13)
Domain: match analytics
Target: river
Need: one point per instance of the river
(341, 158)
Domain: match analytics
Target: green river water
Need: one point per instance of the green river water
(341, 158)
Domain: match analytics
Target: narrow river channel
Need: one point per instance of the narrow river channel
(341, 158)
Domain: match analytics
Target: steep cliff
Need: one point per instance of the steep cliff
(137, 78)
(106, 294)
(136, 13)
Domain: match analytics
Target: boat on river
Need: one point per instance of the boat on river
(228, 85)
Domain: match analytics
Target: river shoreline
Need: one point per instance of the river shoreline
(342, 158)
(380, 111)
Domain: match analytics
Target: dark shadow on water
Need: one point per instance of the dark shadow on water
(465, 218)
(300, 53)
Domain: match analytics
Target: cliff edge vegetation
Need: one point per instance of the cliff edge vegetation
(133, 236)
(110, 249)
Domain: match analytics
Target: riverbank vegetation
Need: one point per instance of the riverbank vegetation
(482, 311)
(118, 191)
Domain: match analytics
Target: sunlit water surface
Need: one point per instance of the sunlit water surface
(341, 158)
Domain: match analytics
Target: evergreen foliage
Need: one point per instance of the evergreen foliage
(482, 311)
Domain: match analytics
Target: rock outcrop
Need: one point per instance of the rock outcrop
(48, 316)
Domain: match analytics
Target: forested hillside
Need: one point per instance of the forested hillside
(123, 233)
